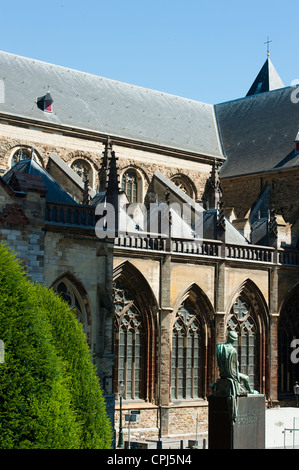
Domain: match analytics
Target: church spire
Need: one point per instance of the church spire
(267, 79)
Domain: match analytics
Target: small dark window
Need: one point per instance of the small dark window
(45, 102)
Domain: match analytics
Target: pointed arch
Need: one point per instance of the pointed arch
(248, 315)
(291, 291)
(197, 294)
(288, 330)
(71, 289)
(192, 344)
(135, 332)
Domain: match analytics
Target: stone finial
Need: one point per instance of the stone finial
(221, 224)
(273, 230)
(213, 191)
(86, 196)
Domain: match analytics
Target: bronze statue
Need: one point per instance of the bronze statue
(228, 364)
(231, 383)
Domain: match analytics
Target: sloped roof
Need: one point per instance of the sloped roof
(55, 193)
(258, 132)
(266, 80)
(89, 102)
(70, 173)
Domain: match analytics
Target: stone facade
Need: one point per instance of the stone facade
(283, 186)
(155, 308)
(55, 252)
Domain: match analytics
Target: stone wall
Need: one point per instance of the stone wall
(181, 421)
(243, 191)
(70, 148)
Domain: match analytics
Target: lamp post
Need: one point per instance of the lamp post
(296, 391)
(121, 389)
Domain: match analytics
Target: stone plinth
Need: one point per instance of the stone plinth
(246, 432)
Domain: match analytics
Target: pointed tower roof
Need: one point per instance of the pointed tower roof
(266, 80)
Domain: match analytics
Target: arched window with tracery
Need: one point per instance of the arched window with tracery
(83, 169)
(184, 183)
(187, 344)
(131, 184)
(70, 294)
(128, 327)
(242, 322)
(288, 330)
(24, 153)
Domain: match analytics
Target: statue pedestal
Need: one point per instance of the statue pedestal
(248, 430)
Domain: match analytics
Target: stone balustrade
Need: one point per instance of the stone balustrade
(83, 216)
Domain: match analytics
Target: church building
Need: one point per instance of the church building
(204, 236)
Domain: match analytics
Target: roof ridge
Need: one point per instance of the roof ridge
(252, 96)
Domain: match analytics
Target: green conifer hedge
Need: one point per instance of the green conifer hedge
(50, 396)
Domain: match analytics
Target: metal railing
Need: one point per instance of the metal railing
(292, 431)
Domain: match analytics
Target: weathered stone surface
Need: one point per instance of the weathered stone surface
(247, 432)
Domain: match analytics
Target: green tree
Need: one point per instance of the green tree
(49, 395)
(71, 345)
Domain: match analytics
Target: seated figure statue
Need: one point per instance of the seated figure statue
(228, 364)
(231, 383)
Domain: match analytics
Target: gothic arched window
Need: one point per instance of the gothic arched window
(288, 330)
(128, 327)
(130, 185)
(184, 183)
(186, 380)
(83, 169)
(241, 321)
(70, 295)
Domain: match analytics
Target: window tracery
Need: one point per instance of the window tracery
(130, 185)
(83, 169)
(241, 321)
(183, 183)
(24, 154)
(128, 328)
(186, 353)
(69, 295)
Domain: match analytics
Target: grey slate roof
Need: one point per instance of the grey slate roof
(89, 102)
(254, 134)
(266, 80)
(55, 193)
(258, 132)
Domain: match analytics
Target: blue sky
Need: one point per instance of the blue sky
(210, 51)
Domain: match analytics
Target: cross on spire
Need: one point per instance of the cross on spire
(268, 48)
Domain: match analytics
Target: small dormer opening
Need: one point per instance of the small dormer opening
(45, 102)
